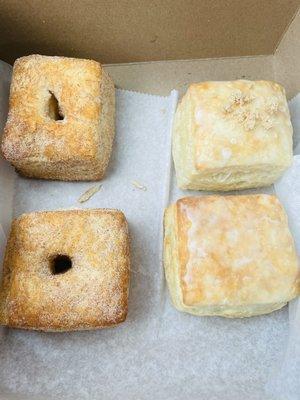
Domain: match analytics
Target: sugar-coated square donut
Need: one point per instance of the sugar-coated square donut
(66, 270)
(232, 135)
(61, 118)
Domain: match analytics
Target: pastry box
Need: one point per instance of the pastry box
(153, 51)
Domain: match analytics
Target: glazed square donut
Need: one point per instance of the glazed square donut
(231, 256)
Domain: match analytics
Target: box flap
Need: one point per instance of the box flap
(141, 30)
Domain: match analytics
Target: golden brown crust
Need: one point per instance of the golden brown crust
(231, 256)
(77, 147)
(92, 294)
(232, 135)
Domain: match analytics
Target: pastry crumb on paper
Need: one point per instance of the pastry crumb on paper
(139, 185)
(89, 193)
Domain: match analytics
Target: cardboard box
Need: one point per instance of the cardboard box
(159, 45)
(219, 39)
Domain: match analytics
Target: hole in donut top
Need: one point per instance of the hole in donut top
(54, 111)
(60, 264)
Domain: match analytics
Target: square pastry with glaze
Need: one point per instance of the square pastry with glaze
(231, 135)
(231, 256)
(66, 270)
(61, 118)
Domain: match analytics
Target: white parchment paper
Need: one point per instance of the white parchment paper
(158, 353)
(285, 383)
(113, 363)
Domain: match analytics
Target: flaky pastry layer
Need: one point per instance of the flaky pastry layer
(231, 135)
(231, 256)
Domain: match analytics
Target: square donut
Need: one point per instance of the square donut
(231, 256)
(66, 270)
(61, 118)
(232, 135)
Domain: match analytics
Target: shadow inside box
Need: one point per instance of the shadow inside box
(114, 161)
